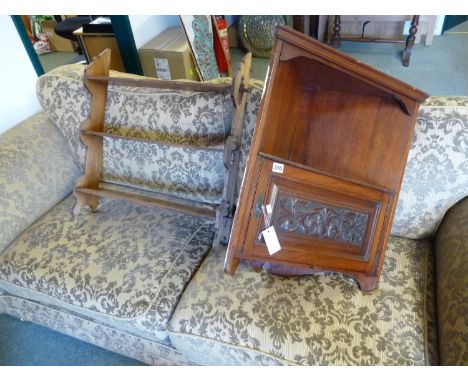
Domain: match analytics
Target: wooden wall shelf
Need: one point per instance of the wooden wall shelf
(90, 187)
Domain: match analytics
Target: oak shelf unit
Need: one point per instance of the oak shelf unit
(90, 187)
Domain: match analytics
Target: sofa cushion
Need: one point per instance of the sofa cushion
(37, 171)
(170, 116)
(451, 245)
(323, 319)
(436, 174)
(125, 265)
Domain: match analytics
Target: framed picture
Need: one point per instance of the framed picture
(199, 31)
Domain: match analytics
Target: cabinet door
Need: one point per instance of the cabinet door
(321, 221)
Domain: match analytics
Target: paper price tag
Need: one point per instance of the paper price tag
(278, 167)
(271, 240)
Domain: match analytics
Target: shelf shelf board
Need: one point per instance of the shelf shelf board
(144, 140)
(163, 84)
(208, 212)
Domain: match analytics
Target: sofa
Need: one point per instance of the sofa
(147, 282)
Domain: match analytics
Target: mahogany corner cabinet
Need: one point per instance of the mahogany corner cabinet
(325, 165)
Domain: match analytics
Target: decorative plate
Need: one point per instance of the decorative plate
(257, 33)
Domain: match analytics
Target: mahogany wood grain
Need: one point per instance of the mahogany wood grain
(344, 63)
(308, 185)
(360, 131)
(342, 130)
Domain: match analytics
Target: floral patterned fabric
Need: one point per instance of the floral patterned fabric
(447, 101)
(323, 319)
(149, 352)
(188, 118)
(183, 117)
(37, 170)
(184, 172)
(436, 174)
(451, 246)
(127, 265)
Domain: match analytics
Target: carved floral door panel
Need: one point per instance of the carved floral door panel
(320, 220)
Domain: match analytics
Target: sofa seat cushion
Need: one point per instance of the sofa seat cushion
(322, 319)
(125, 265)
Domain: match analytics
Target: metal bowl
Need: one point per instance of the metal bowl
(257, 33)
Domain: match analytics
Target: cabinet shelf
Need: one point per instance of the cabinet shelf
(274, 158)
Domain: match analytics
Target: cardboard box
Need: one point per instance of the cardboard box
(57, 43)
(168, 56)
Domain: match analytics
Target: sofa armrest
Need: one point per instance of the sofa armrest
(451, 250)
(37, 170)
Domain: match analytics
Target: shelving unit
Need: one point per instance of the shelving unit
(90, 187)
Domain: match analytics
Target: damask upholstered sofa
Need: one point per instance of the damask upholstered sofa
(145, 282)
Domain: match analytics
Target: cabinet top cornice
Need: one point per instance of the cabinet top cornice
(344, 63)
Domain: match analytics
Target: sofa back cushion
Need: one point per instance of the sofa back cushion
(198, 119)
(451, 249)
(37, 171)
(436, 174)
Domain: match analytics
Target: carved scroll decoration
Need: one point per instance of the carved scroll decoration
(309, 217)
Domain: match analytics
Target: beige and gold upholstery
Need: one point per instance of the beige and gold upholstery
(323, 319)
(115, 278)
(195, 119)
(436, 174)
(37, 170)
(84, 328)
(125, 266)
(451, 245)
